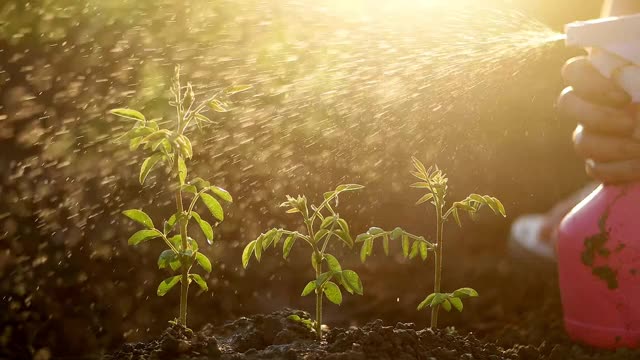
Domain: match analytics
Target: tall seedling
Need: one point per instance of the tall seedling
(434, 182)
(171, 147)
(322, 224)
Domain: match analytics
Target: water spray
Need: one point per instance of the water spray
(599, 240)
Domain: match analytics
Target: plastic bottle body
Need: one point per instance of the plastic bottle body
(599, 268)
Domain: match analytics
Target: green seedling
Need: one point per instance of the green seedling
(434, 182)
(171, 147)
(322, 224)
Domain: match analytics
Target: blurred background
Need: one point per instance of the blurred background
(343, 92)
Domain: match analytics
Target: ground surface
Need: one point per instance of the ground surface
(277, 336)
(508, 321)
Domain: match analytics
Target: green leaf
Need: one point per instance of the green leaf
(465, 292)
(323, 278)
(362, 237)
(333, 263)
(405, 246)
(170, 224)
(206, 228)
(140, 217)
(424, 198)
(327, 222)
(176, 240)
(446, 305)
(140, 131)
(258, 249)
(221, 193)
(246, 253)
(438, 298)
(188, 253)
(456, 217)
(369, 245)
(200, 183)
(315, 260)
(415, 248)
(155, 144)
(143, 235)
(351, 280)
(344, 226)
(175, 264)
(182, 170)
(363, 251)
(321, 234)
(418, 165)
(306, 322)
(348, 187)
(157, 135)
(396, 233)
(328, 194)
(147, 165)
(203, 261)
(311, 285)
(333, 293)
(385, 244)
(375, 231)
(167, 284)
(129, 114)
(236, 89)
(218, 106)
(268, 238)
(165, 259)
(288, 244)
(202, 119)
(426, 302)
(495, 205)
(277, 237)
(501, 209)
(424, 250)
(185, 146)
(200, 281)
(135, 143)
(213, 205)
(457, 303)
(192, 189)
(344, 236)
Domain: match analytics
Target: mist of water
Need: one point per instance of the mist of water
(320, 74)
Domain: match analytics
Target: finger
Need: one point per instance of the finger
(594, 117)
(614, 172)
(590, 85)
(604, 148)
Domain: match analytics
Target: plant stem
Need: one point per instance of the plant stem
(318, 300)
(438, 265)
(318, 255)
(184, 281)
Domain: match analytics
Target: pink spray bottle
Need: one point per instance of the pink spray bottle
(599, 240)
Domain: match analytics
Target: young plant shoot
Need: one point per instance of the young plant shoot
(322, 224)
(435, 183)
(172, 148)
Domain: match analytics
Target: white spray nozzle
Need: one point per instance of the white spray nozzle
(614, 44)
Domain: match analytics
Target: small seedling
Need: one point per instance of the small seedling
(171, 147)
(434, 182)
(320, 229)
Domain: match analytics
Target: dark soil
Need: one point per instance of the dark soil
(276, 336)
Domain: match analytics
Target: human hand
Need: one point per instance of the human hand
(603, 136)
